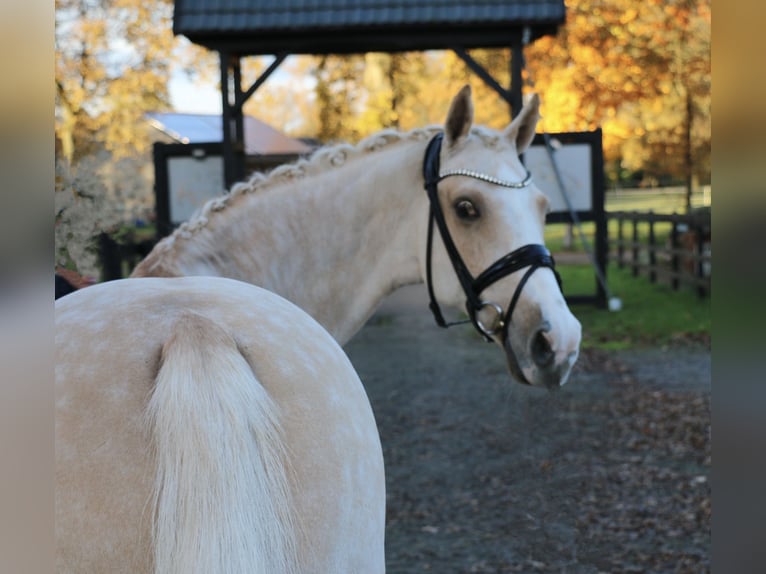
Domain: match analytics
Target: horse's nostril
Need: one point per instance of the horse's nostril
(542, 354)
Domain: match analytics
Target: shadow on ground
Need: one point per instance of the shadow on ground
(610, 474)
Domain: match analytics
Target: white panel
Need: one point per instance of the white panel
(574, 161)
(192, 181)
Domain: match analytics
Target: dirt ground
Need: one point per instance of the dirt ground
(608, 475)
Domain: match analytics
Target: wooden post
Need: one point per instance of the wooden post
(699, 267)
(111, 258)
(233, 131)
(674, 258)
(517, 79)
(620, 244)
(652, 250)
(635, 247)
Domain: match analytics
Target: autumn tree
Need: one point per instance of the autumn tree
(640, 70)
(678, 129)
(356, 96)
(338, 96)
(113, 61)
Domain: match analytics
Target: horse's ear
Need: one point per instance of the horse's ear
(459, 118)
(521, 131)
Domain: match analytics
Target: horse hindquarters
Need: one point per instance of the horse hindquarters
(222, 497)
(167, 445)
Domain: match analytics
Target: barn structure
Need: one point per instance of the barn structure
(236, 29)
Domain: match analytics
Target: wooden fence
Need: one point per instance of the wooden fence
(668, 247)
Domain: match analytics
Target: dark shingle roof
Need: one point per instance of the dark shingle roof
(327, 26)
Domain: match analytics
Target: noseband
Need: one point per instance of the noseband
(533, 255)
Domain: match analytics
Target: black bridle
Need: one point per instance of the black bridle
(533, 255)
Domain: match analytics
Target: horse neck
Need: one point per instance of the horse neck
(335, 243)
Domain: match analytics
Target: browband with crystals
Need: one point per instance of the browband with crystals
(488, 178)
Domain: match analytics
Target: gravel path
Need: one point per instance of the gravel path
(611, 474)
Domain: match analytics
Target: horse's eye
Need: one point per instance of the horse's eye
(466, 210)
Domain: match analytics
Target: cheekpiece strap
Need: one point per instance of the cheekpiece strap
(431, 178)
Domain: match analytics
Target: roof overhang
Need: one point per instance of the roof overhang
(356, 26)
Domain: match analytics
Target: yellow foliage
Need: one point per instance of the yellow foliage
(112, 65)
(621, 65)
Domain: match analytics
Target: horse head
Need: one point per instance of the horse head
(490, 218)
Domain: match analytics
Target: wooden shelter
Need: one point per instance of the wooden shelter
(240, 28)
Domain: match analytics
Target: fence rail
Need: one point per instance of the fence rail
(669, 247)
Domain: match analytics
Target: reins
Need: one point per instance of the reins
(532, 255)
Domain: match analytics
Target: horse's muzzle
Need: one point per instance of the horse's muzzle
(540, 360)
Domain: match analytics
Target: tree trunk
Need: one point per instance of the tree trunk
(688, 156)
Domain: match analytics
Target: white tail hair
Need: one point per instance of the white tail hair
(221, 495)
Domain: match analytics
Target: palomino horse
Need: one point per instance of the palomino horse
(207, 425)
(337, 233)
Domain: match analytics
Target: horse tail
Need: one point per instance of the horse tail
(221, 495)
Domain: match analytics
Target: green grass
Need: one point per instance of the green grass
(652, 314)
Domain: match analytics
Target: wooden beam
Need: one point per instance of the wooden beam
(232, 124)
(517, 81)
(263, 77)
(480, 71)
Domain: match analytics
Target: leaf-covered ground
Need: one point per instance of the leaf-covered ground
(610, 474)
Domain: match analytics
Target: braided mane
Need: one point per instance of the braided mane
(323, 159)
